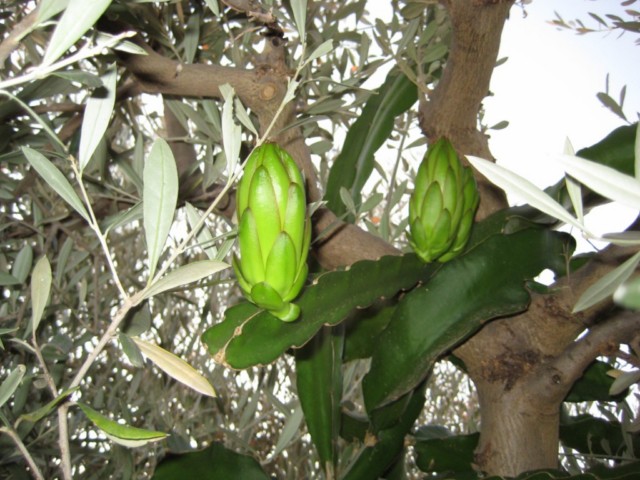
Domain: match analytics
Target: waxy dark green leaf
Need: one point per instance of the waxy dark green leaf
(213, 463)
(319, 386)
(354, 165)
(487, 282)
(239, 341)
(375, 460)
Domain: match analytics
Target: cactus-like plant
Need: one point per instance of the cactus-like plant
(443, 204)
(274, 231)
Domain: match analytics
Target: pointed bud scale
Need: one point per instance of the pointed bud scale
(443, 204)
(274, 231)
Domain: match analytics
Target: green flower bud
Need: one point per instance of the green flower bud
(274, 231)
(443, 204)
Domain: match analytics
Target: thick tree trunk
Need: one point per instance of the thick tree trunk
(519, 432)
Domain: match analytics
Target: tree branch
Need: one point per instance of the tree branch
(604, 338)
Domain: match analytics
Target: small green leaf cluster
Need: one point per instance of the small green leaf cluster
(443, 204)
(274, 231)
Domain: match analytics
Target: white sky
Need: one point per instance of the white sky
(547, 88)
(547, 91)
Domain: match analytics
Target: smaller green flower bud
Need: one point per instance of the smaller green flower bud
(443, 204)
(274, 231)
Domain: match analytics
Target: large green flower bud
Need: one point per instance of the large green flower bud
(274, 231)
(443, 204)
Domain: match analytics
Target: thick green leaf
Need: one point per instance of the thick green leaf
(56, 180)
(363, 328)
(97, 114)
(589, 434)
(213, 463)
(487, 282)
(159, 199)
(388, 444)
(439, 451)
(354, 164)
(122, 434)
(593, 386)
(40, 287)
(239, 341)
(78, 17)
(319, 386)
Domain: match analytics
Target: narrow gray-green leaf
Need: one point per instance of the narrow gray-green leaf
(607, 284)
(604, 180)
(56, 180)
(320, 51)
(244, 118)
(160, 195)
(78, 17)
(213, 6)
(204, 237)
(40, 287)
(231, 131)
(42, 412)
(189, 273)
(120, 433)
(573, 188)
(22, 264)
(175, 367)
(97, 114)
(628, 294)
(6, 279)
(515, 184)
(50, 8)
(624, 381)
(289, 431)
(11, 383)
(299, 8)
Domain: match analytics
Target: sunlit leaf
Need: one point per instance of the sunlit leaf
(231, 131)
(78, 17)
(515, 184)
(159, 198)
(50, 8)
(192, 272)
(175, 367)
(11, 383)
(604, 180)
(40, 287)
(97, 114)
(573, 187)
(122, 434)
(55, 179)
(607, 285)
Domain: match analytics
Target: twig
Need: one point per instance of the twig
(23, 450)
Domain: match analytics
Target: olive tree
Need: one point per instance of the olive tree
(128, 348)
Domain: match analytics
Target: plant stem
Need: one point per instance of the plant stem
(63, 442)
(35, 471)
